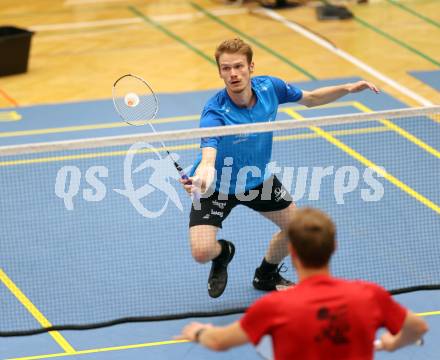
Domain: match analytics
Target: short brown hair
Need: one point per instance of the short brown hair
(312, 235)
(233, 46)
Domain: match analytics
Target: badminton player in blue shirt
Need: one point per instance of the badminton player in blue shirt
(240, 163)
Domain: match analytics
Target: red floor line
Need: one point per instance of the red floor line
(8, 98)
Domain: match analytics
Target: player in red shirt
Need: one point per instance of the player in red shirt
(322, 317)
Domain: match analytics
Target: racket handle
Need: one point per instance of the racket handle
(195, 194)
(183, 176)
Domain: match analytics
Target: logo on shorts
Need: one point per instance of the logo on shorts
(218, 213)
(279, 193)
(220, 205)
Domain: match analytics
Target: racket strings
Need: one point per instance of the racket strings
(134, 100)
(144, 111)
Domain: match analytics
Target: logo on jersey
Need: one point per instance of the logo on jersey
(335, 325)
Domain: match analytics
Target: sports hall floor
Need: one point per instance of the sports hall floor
(81, 46)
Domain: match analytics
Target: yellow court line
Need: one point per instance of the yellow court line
(400, 131)
(181, 147)
(23, 299)
(113, 125)
(362, 159)
(94, 155)
(94, 351)
(337, 104)
(94, 126)
(360, 131)
(137, 346)
(6, 116)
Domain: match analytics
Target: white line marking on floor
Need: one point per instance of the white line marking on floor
(355, 61)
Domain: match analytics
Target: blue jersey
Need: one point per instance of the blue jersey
(242, 159)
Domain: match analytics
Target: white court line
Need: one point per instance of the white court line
(329, 46)
(81, 25)
(87, 24)
(126, 21)
(51, 36)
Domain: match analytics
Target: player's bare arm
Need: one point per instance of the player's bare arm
(328, 94)
(412, 331)
(215, 337)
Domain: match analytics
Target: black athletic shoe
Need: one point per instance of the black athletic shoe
(218, 277)
(272, 280)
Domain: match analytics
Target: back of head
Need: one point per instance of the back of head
(312, 236)
(234, 46)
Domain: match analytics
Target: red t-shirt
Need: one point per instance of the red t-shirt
(324, 318)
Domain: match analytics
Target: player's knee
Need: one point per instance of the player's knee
(201, 254)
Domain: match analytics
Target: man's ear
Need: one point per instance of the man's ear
(251, 67)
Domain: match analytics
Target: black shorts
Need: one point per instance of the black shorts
(213, 210)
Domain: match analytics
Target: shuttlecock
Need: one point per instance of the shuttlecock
(131, 99)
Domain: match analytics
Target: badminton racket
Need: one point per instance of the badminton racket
(137, 104)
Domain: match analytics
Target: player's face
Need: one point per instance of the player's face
(235, 71)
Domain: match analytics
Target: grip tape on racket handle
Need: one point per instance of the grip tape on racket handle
(185, 177)
(182, 174)
(196, 194)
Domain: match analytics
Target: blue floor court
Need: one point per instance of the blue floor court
(432, 78)
(63, 253)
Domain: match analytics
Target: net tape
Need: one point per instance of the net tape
(216, 131)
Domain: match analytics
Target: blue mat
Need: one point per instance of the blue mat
(431, 78)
